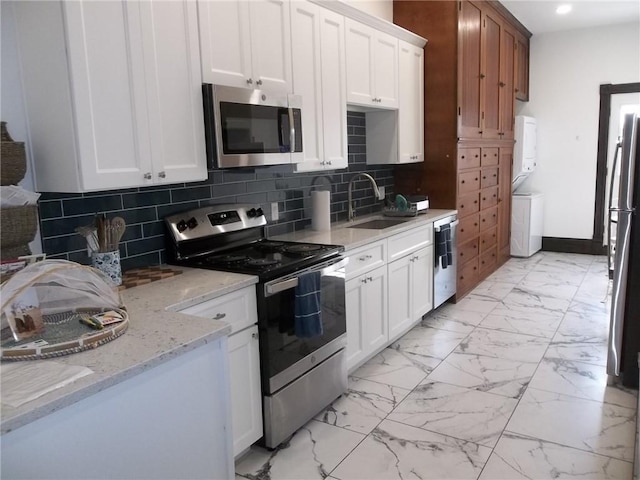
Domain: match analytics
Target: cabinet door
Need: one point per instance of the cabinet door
(354, 300)
(400, 290)
(106, 60)
(375, 309)
(411, 104)
(174, 91)
(522, 68)
(270, 22)
(490, 92)
(307, 81)
(334, 89)
(386, 70)
(504, 204)
(469, 70)
(422, 282)
(360, 59)
(225, 42)
(507, 74)
(246, 400)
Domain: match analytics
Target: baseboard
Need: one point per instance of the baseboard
(573, 245)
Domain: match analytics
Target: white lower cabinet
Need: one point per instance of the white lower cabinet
(367, 325)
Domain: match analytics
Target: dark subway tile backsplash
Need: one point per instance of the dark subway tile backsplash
(145, 208)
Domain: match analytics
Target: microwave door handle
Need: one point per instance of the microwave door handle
(292, 132)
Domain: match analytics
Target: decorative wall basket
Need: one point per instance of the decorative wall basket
(18, 225)
(13, 161)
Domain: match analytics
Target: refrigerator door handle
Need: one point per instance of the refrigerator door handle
(610, 219)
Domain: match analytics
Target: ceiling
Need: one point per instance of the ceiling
(539, 16)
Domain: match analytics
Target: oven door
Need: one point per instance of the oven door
(284, 356)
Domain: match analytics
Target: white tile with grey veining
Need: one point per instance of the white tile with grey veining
(582, 380)
(520, 457)
(312, 452)
(505, 345)
(527, 323)
(523, 301)
(485, 374)
(395, 451)
(583, 349)
(588, 425)
(364, 405)
(574, 279)
(447, 317)
(491, 291)
(510, 273)
(584, 324)
(598, 308)
(392, 367)
(429, 342)
(455, 411)
(477, 304)
(549, 289)
(564, 262)
(594, 292)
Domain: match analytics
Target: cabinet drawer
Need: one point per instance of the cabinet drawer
(488, 239)
(489, 260)
(490, 156)
(468, 276)
(237, 309)
(468, 204)
(407, 242)
(366, 258)
(468, 251)
(488, 197)
(468, 158)
(489, 177)
(488, 218)
(468, 228)
(468, 182)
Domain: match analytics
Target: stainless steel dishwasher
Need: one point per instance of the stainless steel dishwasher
(445, 261)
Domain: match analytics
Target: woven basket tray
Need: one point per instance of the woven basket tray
(18, 225)
(13, 161)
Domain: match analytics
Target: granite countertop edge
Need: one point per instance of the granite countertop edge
(156, 334)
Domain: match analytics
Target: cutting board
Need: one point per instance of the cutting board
(144, 275)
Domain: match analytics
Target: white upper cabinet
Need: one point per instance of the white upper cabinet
(372, 66)
(246, 44)
(122, 104)
(411, 111)
(319, 77)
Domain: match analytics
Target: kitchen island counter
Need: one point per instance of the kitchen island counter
(155, 335)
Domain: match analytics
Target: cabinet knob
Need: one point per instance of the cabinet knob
(482, 75)
(259, 82)
(147, 176)
(219, 316)
(254, 335)
(370, 279)
(462, 181)
(249, 81)
(502, 84)
(162, 174)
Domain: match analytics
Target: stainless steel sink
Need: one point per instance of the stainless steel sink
(378, 224)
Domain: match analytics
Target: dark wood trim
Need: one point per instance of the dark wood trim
(573, 245)
(603, 140)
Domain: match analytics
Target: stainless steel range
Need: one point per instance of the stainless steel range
(301, 307)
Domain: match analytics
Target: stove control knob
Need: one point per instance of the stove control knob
(259, 212)
(192, 222)
(182, 226)
(251, 213)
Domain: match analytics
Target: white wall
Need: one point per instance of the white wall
(378, 8)
(567, 69)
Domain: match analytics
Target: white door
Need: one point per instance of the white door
(246, 401)
(174, 91)
(386, 70)
(271, 45)
(225, 42)
(400, 301)
(360, 46)
(411, 103)
(422, 282)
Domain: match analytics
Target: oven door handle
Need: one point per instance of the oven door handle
(452, 224)
(291, 282)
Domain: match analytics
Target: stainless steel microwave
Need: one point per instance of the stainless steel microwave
(248, 128)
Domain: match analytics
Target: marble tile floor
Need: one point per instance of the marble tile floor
(509, 383)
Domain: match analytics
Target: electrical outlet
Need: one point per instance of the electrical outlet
(274, 211)
(382, 193)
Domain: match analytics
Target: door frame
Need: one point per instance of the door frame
(606, 91)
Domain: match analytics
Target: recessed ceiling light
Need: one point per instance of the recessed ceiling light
(562, 9)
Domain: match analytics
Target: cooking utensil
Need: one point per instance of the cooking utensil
(117, 228)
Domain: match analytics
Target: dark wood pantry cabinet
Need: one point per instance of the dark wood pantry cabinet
(476, 65)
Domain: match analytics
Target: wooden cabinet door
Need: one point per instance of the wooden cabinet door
(246, 396)
(504, 204)
(469, 71)
(490, 75)
(522, 68)
(507, 79)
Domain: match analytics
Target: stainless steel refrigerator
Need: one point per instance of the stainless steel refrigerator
(624, 331)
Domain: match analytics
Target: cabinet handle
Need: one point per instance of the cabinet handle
(162, 174)
(365, 257)
(480, 132)
(147, 176)
(370, 279)
(219, 316)
(329, 162)
(254, 335)
(259, 82)
(249, 81)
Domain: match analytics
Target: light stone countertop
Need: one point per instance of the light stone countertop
(155, 335)
(352, 238)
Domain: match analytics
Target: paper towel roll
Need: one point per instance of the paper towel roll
(321, 210)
